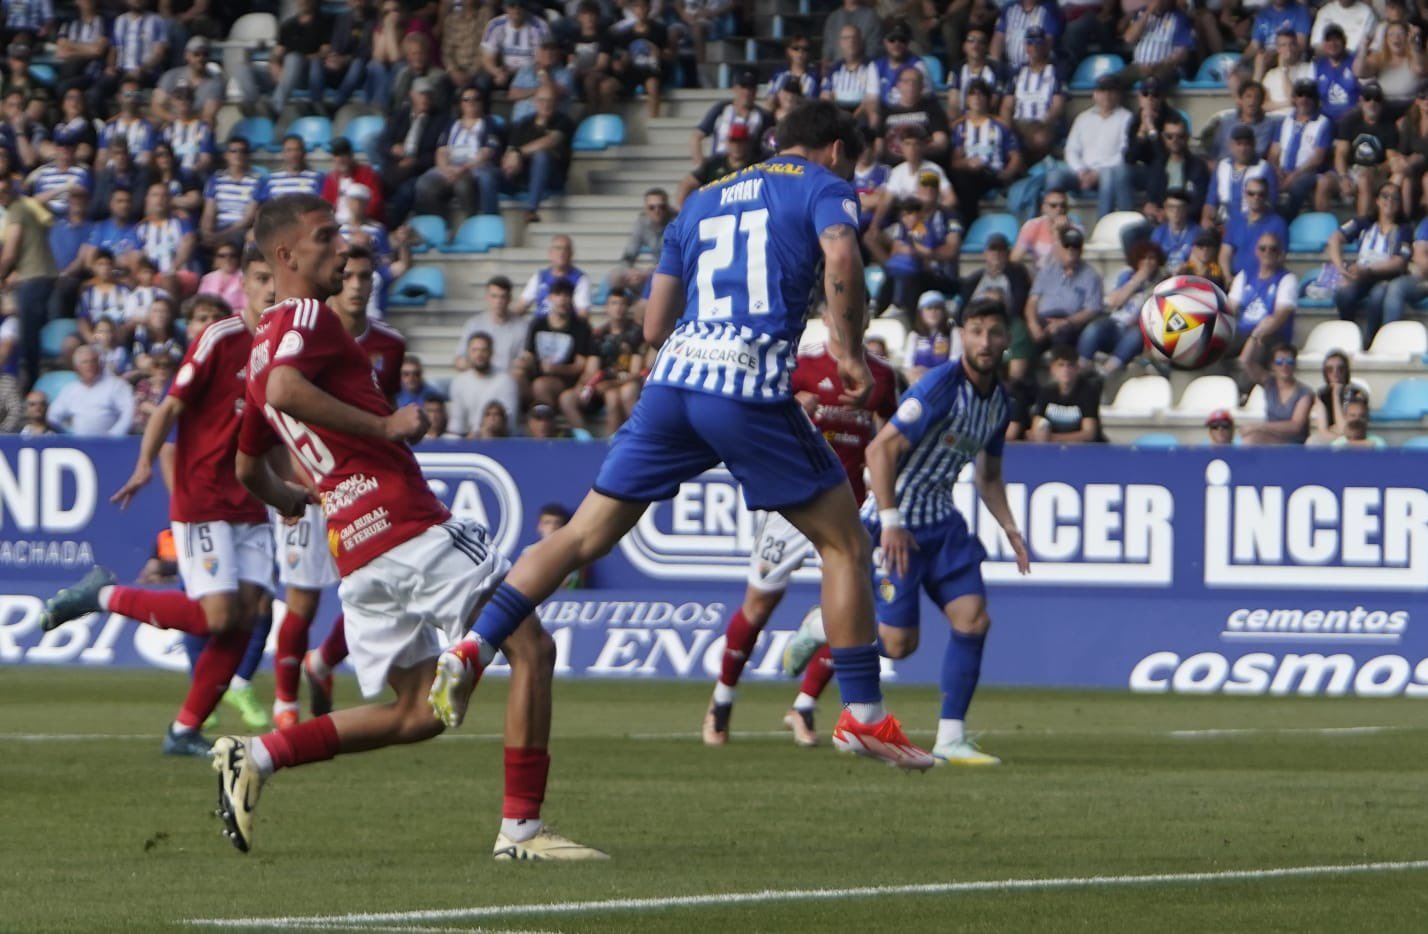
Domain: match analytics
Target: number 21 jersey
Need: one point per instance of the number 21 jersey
(373, 494)
(746, 248)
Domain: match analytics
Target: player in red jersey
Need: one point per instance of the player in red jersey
(305, 563)
(410, 571)
(780, 549)
(225, 551)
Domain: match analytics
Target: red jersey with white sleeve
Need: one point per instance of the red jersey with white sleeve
(211, 383)
(386, 348)
(372, 491)
(848, 429)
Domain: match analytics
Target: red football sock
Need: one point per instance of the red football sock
(310, 741)
(211, 673)
(165, 609)
(334, 647)
(739, 641)
(287, 665)
(526, 772)
(818, 673)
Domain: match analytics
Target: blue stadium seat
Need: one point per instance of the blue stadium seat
(258, 131)
(599, 132)
(316, 132)
(1310, 231)
(1214, 72)
(44, 74)
(986, 225)
(53, 334)
(417, 286)
(363, 131)
(1092, 67)
(1156, 440)
(1407, 399)
(52, 382)
(477, 234)
(936, 72)
(431, 229)
(1416, 443)
(874, 278)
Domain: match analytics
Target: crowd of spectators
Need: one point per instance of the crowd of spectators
(124, 209)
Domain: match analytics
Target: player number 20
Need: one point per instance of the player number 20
(721, 230)
(302, 442)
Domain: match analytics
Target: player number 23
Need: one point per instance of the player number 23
(720, 230)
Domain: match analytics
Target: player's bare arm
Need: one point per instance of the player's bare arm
(883, 455)
(155, 432)
(292, 393)
(847, 309)
(258, 476)
(663, 309)
(993, 491)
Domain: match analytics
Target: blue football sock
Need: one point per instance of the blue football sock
(857, 671)
(259, 641)
(500, 617)
(961, 668)
(193, 647)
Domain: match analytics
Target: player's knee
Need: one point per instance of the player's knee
(546, 653)
(417, 724)
(225, 616)
(973, 624)
(897, 643)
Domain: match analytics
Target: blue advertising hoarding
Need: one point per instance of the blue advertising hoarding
(1237, 571)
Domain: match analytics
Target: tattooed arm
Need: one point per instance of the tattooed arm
(847, 314)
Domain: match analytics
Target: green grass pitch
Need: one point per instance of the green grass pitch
(98, 832)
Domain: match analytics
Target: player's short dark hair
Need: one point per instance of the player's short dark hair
(278, 214)
(210, 300)
(500, 282)
(815, 124)
(1064, 353)
(984, 308)
(356, 251)
(556, 509)
(562, 286)
(251, 255)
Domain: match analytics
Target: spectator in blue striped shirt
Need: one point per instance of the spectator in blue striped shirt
(1376, 282)
(130, 124)
(853, 84)
(30, 19)
(138, 48)
(76, 124)
(168, 241)
(468, 164)
(1301, 152)
(897, 58)
(53, 182)
(294, 178)
(799, 70)
(82, 47)
(1162, 41)
(985, 153)
(229, 201)
(103, 296)
(1009, 41)
(975, 66)
(1036, 105)
(190, 137)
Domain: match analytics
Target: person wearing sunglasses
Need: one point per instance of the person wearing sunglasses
(1366, 151)
(897, 55)
(1263, 304)
(1251, 190)
(1036, 241)
(1300, 152)
(1287, 402)
(1176, 169)
(1375, 285)
(798, 71)
(1220, 427)
(1017, 19)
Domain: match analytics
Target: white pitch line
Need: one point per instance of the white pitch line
(790, 895)
(1311, 730)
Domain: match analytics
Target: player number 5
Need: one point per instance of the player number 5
(720, 230)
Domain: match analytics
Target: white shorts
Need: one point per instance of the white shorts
(214, 556)
(405, 606)
(779, 550)
(304, 559)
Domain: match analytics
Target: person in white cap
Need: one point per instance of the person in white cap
(933, 338)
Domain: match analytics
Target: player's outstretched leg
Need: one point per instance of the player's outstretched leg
(865, 728)
(799, 718)
(740, 638)
(318, 665)
(961, 669)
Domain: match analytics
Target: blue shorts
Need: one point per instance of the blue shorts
(674, 435)
(946, 564)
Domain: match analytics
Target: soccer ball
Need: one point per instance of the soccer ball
(1187, 322)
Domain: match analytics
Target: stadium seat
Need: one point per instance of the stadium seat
(1214, 72)
(1156, 440)
(53, 334)
(1407, 399)
(1141, 397)
(255, 29)
(479, 233)
(1331, 335)
(874, 278)
(1107, 233)
(1416, 443)
(815, 332)
(936, 72)
(598, 133)
(316, 132)
(258, 131)
(986, 225)
(1254, 405)
(1092, 67)
(431, 229)
(52, 382)
(1309, 232)
(892, 331)
(1400, 341)
(44, 74)
(417, 286)
(362, 131)
(1205, 394)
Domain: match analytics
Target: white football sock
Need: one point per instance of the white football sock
(521, 830)
(261, 757)
(284, 706)
(487, 655)
(177, 727)
(805, 702)
(319, 667)
(104, 594)
(867, 713)
(237, 683)
(949, 731)
(814, 627)
(723, 694)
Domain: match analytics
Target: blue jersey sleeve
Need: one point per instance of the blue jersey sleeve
(999, 438)
(671, 259)
(928, 402)
(835, 203)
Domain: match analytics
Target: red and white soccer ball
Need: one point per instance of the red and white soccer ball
(1187, 322)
